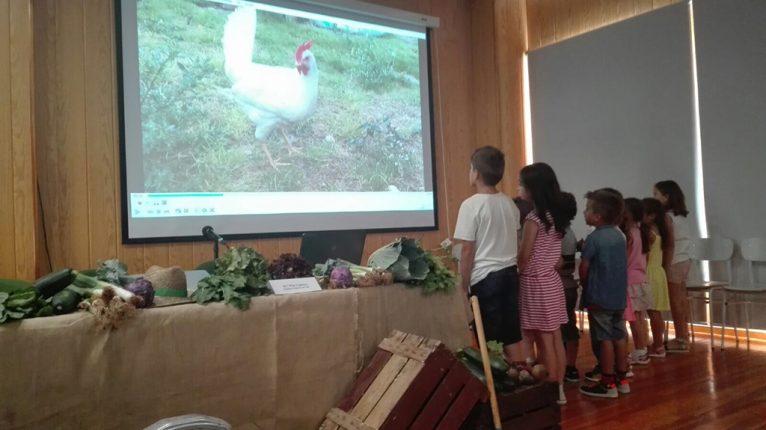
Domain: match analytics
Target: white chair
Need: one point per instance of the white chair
(190, 422)
(753, 251)
(714, 249)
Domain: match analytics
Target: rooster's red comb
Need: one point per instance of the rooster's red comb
(305, 46)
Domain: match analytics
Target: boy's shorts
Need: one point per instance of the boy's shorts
(606, 325)
(569, 331)
(641, 296)
(498, 296)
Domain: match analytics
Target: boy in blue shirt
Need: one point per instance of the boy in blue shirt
(603, 272)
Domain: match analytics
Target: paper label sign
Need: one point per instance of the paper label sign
(293, 286)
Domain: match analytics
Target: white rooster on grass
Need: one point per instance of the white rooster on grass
(271, 96)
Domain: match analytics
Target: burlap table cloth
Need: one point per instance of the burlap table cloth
(280, 365)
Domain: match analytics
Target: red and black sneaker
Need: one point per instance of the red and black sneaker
(599, 389)
(623, 386)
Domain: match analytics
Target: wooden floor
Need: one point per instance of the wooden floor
(702, 389)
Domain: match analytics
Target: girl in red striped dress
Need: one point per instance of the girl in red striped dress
(543, 306)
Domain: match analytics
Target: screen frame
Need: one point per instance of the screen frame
(124, 194)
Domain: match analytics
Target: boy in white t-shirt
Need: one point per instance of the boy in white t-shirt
(487, 227)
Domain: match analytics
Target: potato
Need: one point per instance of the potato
(539, 372)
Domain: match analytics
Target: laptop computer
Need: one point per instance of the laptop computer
(318, 247)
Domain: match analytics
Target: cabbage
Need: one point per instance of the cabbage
(289, 266)
(341, 278)
(142, 288)
(404, 257)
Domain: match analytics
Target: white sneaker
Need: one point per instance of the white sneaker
(629, 373)
(562, 397)
(639, 356)
(623, 387)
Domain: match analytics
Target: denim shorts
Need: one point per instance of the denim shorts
(606, 325)
(498, 296)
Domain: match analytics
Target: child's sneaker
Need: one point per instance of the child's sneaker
(629, 373)
(562, 397)
(657, 352)
(594, 375)
(572, 375)
(623, 386)
(677, 345)
(600, 390)
(639, 356)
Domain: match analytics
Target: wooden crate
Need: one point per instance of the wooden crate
(411, 383)
(529, 408)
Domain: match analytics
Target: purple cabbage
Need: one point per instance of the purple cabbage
(341, 277)
(142, 288)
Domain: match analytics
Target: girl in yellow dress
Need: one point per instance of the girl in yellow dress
(654, 218)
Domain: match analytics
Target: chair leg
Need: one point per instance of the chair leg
(724, 305)
(736, 330)
(690, 315)
(747, 323)
(710, 318)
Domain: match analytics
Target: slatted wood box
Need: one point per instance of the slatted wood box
(411, 383)
(529, 408)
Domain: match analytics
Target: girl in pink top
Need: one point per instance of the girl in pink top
(639, 291)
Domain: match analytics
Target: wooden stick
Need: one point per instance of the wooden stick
(485, 362)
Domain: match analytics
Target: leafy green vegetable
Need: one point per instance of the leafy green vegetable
(245, 262)
(3, 311)
(240, 274)
(409, 262)
(439, 278)
(224, 288)
(495, 349)
(404, 258)
(111, 270)
(19, 304)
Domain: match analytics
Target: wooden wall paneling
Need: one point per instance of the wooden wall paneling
(551, 21)
(131, 255)
(41, 69)
(99, 131)
(156, 254)
(45, 80)
(289, 245)
(443, 169)
(455, 132)
(7, 246)
(181, 255)
(533, 26)
(656, 4)
(561, 18)
(486, 115)
(22, 124)
(67, 160)
(269, 248)
(642, 6)
(510, 46)
(202, 252)
(590, 17)
(547, 23)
